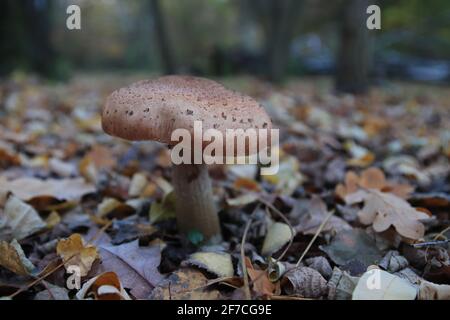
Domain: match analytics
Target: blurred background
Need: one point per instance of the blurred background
(270, 39)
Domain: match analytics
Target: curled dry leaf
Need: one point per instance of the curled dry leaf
(305, 282)
(20, 218)
(13, 258)
(393, 262)
(341, 285)
(277, 236)
(321, 265)
(383, 210)
(185, 284)
(106, 286)
(377, 284)
(432, 291)
(73, 251)
(218, 263)
(65, 189)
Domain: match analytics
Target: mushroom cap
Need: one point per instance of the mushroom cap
(153, 109)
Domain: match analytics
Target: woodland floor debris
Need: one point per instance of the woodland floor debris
(379, 163)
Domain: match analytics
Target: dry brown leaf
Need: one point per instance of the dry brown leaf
(106, 286)
(185, 284)
(98, 158)
(260, 280)
(13, 258)
(383, 210)
(371, 178)
(73, 251)
(247, 184)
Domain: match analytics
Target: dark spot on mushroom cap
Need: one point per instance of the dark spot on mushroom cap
(189, 112)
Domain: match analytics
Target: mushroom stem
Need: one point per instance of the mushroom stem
(195, 207)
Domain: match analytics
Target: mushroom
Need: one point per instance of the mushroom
(153, 109)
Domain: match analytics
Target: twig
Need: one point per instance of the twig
(319, 230)
(430, 243)
(244, 267)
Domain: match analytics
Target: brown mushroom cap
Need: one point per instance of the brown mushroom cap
(153, 109)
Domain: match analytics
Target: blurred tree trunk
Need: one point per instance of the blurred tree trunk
(37, 20)
(26, 36)
(162, 36)
(278, 20)
(279, 33)
(353, 60)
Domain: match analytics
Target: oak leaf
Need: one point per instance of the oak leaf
(383, 210)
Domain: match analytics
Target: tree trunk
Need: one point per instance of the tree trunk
(279, 33)
(162, 36)
(353, 61)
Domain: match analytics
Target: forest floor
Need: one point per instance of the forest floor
(363, 183)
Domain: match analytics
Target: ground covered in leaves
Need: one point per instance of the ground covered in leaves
(363, 185)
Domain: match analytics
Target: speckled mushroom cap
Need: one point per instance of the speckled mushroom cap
(153, 109)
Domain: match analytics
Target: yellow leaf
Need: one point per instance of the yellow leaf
(73, 251)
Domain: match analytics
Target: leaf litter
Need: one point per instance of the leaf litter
(69, 194)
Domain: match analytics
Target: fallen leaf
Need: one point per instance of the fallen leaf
(432, 291)
(371, 178)
(136, 266)
(112, 208)
(185, 284)
(305, 282)
(377, 284)
(13, 258)
(20, 218)
(137, 185)
(260, 280)
(310, 222)
(351, 245)
(106, 286)
(277, 236)
(217, 263)
(52, 292)
(163, 210)
(383, 210)
(288, 177)
(65, 189)
(341, 285)
(73, 251)
(243, 200)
